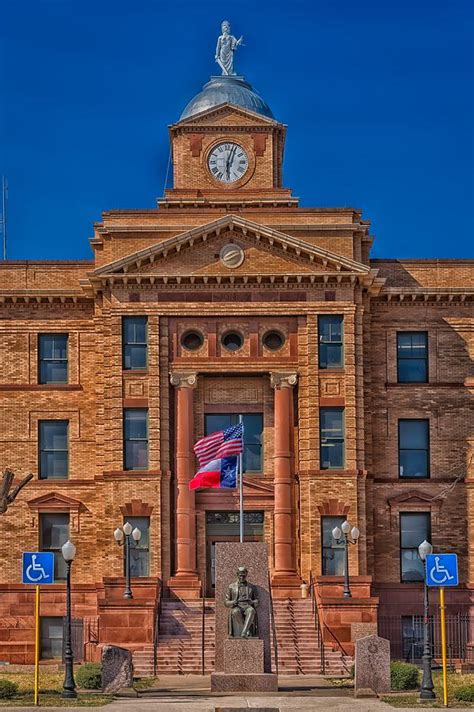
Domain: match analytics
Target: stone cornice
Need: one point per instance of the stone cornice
(420, 295)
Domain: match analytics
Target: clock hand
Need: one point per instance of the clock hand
(230, 159)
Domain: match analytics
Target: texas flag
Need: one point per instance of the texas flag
(217, 473)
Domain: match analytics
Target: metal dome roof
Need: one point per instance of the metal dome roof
(227, 89)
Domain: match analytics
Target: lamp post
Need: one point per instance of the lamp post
(341, 535)
(123, 537)
(427, 686)
(69, 686)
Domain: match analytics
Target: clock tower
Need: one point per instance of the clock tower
(227, 149)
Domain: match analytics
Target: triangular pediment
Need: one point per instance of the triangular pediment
(55, 501)
(413, 498)
(223, 114)
(265, 251)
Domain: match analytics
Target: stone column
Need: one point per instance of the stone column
(185, 583)
(284, 574)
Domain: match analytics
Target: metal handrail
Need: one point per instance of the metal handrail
(326, 627)
(203, 624)
(156, 633)
(272, 621)
(317, 624)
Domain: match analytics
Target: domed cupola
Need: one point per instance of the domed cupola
(227, 90)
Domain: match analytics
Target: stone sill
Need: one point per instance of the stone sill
(40, 387)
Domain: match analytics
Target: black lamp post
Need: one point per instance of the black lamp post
(123, 537)
(341, 535)
(427, 686)
(69, 685)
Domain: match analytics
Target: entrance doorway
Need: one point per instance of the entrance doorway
(225, 526)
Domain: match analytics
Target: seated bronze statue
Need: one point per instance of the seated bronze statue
(242, 600)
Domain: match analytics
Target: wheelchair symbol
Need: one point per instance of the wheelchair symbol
(439, 574)
(37, 569)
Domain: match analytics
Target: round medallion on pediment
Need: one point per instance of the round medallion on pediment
(232, 255)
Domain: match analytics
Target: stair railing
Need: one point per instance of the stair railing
(317, 624)
(323, 625)
(203, 624)
(272, 623)
(156, 632)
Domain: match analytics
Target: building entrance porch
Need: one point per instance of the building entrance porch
(224, 526)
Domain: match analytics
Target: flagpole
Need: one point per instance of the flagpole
(241, 487)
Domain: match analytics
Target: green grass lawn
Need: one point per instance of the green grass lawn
(50, 686)
(454, 681)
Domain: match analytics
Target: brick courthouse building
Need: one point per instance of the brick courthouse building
(353, 376)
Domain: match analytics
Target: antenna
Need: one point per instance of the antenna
(4, 215)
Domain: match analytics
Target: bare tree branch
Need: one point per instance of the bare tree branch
(7, 497)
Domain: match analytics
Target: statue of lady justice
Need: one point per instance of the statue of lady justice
(226, 46)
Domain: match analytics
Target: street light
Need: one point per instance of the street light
(69, 686)
(427, 686)
(341, 535)
(122, 537)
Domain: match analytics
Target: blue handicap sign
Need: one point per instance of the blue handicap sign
(442, 570)
(38, 567)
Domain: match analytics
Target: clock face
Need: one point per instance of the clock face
(228, 162)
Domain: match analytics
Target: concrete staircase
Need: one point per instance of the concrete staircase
(180, 637)
(299, 652)
(180, 640)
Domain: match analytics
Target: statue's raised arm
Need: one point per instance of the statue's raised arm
(225, 48)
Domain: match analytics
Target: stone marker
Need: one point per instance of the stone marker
(117, 668)
(372, 665)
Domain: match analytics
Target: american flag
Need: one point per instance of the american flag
(220, 444)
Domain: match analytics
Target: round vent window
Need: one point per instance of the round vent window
(192, 340)
(232, 341)
(273, 340)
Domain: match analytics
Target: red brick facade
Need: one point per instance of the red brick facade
(165, 264)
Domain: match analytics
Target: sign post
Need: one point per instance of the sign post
(37, 568)
(441, 571)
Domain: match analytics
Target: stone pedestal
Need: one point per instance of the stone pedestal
(243, 665)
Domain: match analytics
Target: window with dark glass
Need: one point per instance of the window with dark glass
(414, 528)
(51, 635)
(331, 426)
(330, 341)
(332, 553)
(53, 533)
(412, 356)
(53, 449)
(414, 448)
(52, 354)
(253, 429)
(135, 438)
(134, 342)
(140, 554)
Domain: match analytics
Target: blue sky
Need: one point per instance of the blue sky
(377, 96)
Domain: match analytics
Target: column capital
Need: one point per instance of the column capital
(183, 380)
(283, 380)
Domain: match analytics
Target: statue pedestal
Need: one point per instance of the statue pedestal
(243, 664)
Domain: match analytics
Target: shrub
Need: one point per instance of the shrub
(404, 676)
(465, 693)
(89, 676)
(7, 689)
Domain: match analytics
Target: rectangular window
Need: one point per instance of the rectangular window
(135, 342)
(135, 438)
(54, 532)
(52, 355)
(51, 637)
(332, 553)
(53, 449)
(139, 555)
(412, 356)
(253, 430)
(330, 341)
(414, 528)
(414, 448)
(331, 432)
